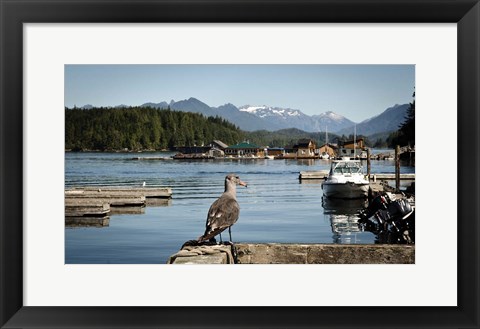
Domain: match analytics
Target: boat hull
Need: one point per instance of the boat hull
(348, 190)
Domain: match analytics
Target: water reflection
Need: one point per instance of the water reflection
(127, 210)
(344, 228)
(343, 216)
(306, 162)
(73, 222)
(343, 206)
(156, 202)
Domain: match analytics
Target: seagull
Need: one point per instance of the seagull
(224, 212)
(144, 184)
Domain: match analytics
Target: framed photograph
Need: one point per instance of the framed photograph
(61, 61)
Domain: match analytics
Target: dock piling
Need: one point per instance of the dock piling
(369, 167)
(397, 168)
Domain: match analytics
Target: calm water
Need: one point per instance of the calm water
(275, 207)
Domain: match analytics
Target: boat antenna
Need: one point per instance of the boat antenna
(354, 141)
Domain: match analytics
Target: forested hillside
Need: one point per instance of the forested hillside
(143, 128)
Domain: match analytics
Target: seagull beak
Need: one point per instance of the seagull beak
(242, 183)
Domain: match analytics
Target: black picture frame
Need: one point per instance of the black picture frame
(14, 13)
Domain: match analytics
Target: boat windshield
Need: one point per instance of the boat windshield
(347, 168)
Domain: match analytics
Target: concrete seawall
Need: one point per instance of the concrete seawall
(280, 253)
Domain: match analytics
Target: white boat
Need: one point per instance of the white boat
(346, 180)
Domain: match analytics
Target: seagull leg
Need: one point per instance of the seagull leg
(221, 238)
(230, 233)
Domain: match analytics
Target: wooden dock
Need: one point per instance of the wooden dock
(87, 221)
(322, 174)
(91, 206)
(148, 192)
(112, 200)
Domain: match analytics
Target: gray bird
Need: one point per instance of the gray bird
(224, 212)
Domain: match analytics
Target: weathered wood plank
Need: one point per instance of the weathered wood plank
(320, 174)
(392, 176)
(157, 202)
(148, 192)
(127, 210)
(87, 221)
(114, 201)
(94, 208)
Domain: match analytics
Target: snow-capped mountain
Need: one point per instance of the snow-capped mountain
(267, 111)
(280, 118)
(331, 121)
(288, 118)
(255, 117)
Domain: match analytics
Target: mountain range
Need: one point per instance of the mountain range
(252, 118)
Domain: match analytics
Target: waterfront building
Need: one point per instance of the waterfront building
(244, 149)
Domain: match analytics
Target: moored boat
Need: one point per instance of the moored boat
(346, 180)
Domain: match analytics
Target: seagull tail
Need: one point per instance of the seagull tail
(203, 238)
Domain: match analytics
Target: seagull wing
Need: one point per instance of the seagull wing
(223, 213)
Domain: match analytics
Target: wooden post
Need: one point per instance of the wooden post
(368, 163)
(397, 168)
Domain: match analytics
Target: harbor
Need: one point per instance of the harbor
(390, 215)
(276, 207)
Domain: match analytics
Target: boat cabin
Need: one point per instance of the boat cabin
(346, 167)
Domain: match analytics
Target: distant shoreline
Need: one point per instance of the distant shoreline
(116, 151)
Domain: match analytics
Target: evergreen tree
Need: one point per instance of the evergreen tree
(405, 136)
(139, 128)
(408, 127)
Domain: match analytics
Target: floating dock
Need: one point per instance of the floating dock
(151, 158)
(284, 253)
(112, 200)
(323, 174)
(87, 221)
(148, 192)
(91, 206)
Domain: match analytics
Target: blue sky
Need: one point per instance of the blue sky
(357, 92)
